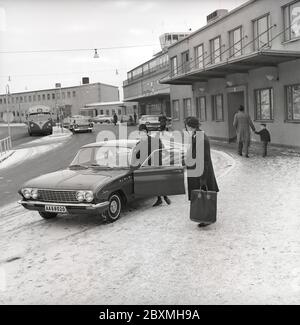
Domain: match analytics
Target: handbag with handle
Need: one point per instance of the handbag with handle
(203, 206)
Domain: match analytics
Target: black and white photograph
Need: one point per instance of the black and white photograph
(150, 154)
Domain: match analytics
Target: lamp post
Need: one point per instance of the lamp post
(7, 111)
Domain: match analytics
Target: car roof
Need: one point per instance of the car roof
(114, 143)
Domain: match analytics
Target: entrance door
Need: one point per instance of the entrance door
(235, 99)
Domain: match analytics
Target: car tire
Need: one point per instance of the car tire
(48, 215)
(114, 209)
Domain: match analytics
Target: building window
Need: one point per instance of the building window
(201, 108)
(34, 98)
(21, 99)
(185, 58)
(199, 57)
(217, 108)
(101, 111)
(174, 66)
(25, 99)
(44, 96)
(74, 93)
(0, 100)
(293, 102)
(119, 111)
(53, 95)
(29, 98)
(292, 20)
(175, 110)
(261, 29)
(215, 50)
(187, 107)
(264, 104)
(235, 42)
(107, 112)
(63, 95)
(69, 94)
(48, 96)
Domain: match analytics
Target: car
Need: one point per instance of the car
(102, 178)
(102, 119)
(128, 119)
(80, 124)
(152, 122)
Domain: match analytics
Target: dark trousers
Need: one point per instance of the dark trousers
(265, 149)
(243, 145)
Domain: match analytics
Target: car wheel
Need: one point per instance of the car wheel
(48, 215)
(114, 209)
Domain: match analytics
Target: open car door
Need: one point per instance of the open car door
(160, 179)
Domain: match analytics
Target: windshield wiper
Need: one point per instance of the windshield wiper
(78, 166)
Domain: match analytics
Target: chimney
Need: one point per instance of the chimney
(216, 15)
(85, 80)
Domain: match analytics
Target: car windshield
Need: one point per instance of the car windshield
(104, 156)
(151, 118)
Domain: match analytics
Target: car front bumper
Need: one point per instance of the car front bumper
(72, 208)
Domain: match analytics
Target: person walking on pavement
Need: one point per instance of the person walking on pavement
(207, 181)
(149, 145)
(135, 118)
(265, 138)
(243, 123)
(163, 122)
(115, 119)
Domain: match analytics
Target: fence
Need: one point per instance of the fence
(5, 145)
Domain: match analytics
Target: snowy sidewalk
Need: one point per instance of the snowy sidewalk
(158, 256)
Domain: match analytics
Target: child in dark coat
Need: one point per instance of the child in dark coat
(265, 138)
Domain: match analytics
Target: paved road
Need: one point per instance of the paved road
(12, 178)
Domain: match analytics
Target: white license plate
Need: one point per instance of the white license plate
(55, 208)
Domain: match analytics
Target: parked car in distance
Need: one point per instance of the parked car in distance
(81, 124)
(102, 119)
(152, 122)
(102, 179)
(128, 119)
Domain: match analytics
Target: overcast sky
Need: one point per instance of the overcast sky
(87, 24)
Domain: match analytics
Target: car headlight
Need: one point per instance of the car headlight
(34, 193)
(80, 196)
(26, 193)
(89, 196)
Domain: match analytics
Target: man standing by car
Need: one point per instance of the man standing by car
(147, 146)
(135, 118)
(115, 119)
(242, 123)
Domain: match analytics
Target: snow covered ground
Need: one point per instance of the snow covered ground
(157, 255)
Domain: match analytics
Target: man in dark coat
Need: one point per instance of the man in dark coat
(163, 122)
(115, 119)
(147, 145)
(265, 138)
(207, 181)
(135, 118)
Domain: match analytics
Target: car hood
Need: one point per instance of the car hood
(75, 179)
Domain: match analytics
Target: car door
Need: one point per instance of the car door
(154, 180)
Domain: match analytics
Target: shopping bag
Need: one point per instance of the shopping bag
(203, 207)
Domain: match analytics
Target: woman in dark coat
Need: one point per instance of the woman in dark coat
(207, 181)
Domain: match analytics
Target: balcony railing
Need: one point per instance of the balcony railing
(146, 73)
(207, 60)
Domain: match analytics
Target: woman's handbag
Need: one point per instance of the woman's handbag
(203, 206)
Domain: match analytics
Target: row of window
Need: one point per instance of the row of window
(264, 107)
(107, 112)
(39, 97)
(15, 114)
(261, 39)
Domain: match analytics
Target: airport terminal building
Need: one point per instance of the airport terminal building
(249, 56)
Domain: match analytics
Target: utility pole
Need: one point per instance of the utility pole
(7, 111)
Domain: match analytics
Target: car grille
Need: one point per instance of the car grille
(57, 196)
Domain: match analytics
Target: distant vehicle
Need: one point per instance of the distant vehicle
(102, 179)
(152, 122)
(80, 123)
(69, 120)
(128, 119)
(102, 119)
(39, 120)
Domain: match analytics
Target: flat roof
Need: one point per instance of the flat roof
(104, 104)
